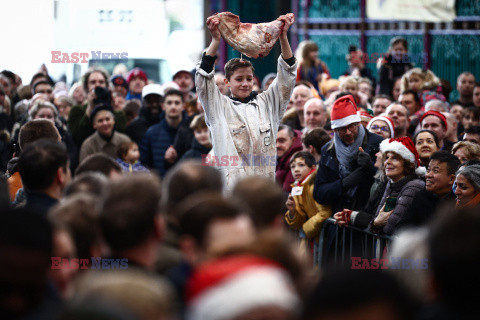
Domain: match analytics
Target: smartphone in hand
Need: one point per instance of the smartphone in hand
(390, 204)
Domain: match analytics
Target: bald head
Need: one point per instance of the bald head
(315, 113)
(301, 94)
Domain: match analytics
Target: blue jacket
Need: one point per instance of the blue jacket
(328, 185)
(155, 143)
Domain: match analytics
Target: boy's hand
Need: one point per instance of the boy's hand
(212, 24)
(290, 204)
(288, 19)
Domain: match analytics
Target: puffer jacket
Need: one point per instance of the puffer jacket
(404, 190)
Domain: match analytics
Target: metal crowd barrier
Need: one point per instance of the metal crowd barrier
(337, 245)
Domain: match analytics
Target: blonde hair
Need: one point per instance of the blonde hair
(42, 104)
(429, 79)
(472, 150)
(348, 80)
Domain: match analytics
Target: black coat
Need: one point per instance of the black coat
(139, 126)
(389, 72)
(328, 184)
(423, 207)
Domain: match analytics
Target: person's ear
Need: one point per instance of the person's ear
(227, 83)
(451, 180)
(311, 149)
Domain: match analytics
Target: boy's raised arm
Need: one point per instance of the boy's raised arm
(288, 20)
(212, 24)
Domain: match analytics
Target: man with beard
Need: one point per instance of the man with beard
(160, 136)
(184, 79)
(149, 115)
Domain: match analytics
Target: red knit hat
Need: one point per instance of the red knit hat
(344, 112)
(436, 114)
(228, 287)
(136, 72)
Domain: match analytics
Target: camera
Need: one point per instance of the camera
(102, 96)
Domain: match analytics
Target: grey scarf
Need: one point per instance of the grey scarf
(346, 154)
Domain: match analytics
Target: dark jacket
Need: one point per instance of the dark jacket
(404, 190)
(196, 151)
(389, 72)
(138, 127)
(155, 143)
(183, 140)
(283, 174)
(363, 218)
(328, 185)
(39, 202)
(423, 207)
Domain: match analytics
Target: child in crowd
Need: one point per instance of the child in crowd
(244, 126)
(425, 84)
(310, 67)
(201, 143)
(470, 117)
(351, 85)
(304, 213)
(128, 157)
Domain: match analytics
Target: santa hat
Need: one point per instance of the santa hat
(405, 148)
(344, 112)
(387, 120)
(436, 114)
(228, 287)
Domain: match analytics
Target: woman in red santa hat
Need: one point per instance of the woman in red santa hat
(402, 168)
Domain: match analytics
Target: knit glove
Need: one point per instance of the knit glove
(364, 160)
(353, 179)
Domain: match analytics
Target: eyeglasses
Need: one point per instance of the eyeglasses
(384, 128)
(350, 127)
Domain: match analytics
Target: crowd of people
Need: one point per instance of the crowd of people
(202, 198)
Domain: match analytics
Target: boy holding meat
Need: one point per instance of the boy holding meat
(244, 126)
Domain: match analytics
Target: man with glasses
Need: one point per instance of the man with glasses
(346, 167)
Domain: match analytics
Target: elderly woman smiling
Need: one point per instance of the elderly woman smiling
(468, 186)
(401, 163)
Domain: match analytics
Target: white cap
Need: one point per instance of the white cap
(152, 89)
